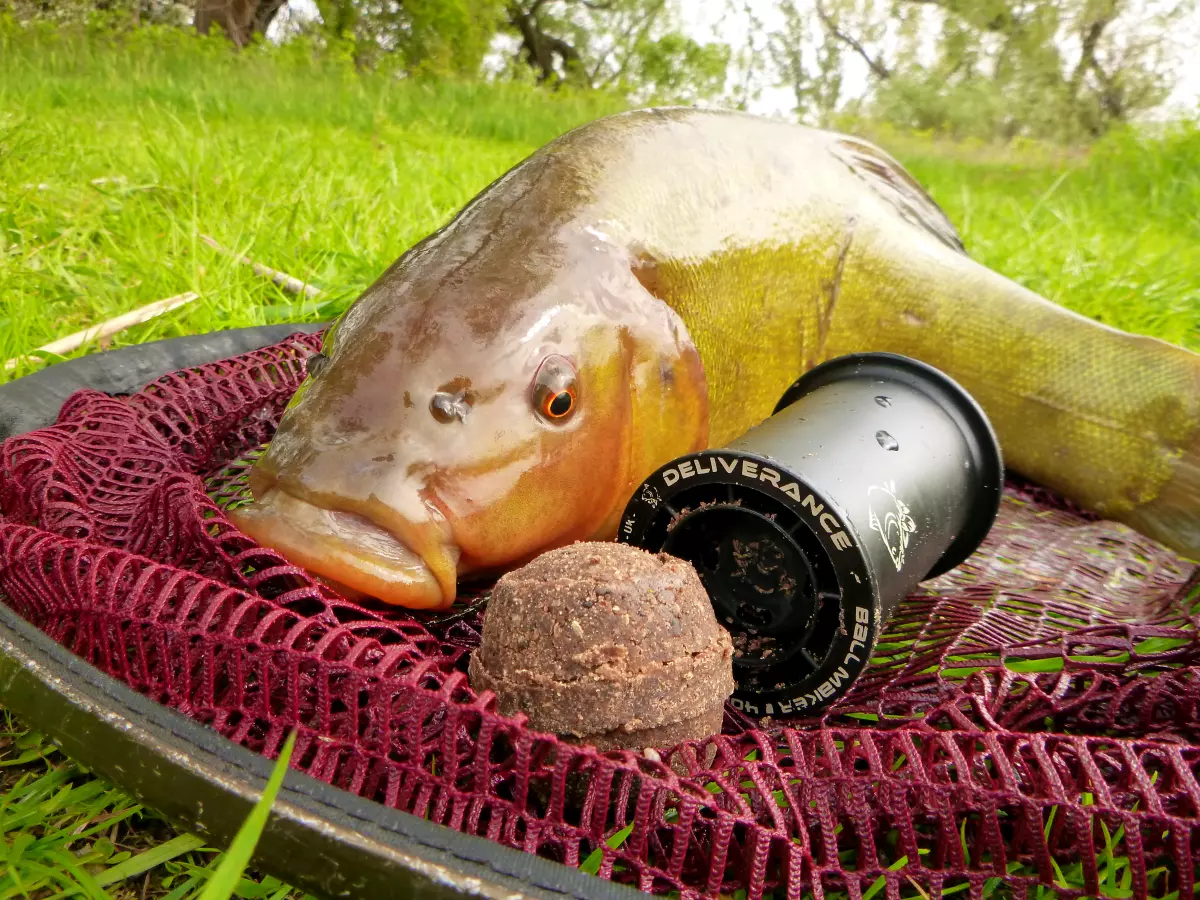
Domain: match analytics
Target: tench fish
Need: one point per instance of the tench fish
(647, 285)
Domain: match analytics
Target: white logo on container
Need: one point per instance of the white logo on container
(896, 525)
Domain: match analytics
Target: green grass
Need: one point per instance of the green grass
(112, 162)
(66, 833)
(1114, 235)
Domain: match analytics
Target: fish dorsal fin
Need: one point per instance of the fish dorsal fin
(889, 180)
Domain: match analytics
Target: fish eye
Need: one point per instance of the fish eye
(315, 364)
(561, 404)
(555, 394)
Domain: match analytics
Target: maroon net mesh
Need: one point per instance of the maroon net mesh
(1028, 719)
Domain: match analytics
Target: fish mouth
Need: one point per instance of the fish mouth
(349, 550)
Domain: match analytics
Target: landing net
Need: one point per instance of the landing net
(1029, 719)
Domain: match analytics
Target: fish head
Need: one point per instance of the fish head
(455, 426)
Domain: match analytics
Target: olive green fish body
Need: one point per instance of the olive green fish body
(660, 278)
(782, 246)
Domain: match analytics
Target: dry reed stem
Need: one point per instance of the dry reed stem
(289, 283)
(105, 329)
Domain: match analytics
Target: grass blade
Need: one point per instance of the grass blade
(153, 857)
(591, 865)
(225, 879)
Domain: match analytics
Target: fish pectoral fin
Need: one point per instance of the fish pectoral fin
(892, 183)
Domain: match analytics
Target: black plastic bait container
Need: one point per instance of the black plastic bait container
(874, 473)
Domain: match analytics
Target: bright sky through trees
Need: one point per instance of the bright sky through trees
(712, 20)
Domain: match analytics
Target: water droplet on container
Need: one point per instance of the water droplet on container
(886, 441)
(884, 401)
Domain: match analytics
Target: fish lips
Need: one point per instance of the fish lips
(405, 564)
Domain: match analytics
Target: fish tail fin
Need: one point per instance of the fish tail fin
(1173, 517)
(1170, 417)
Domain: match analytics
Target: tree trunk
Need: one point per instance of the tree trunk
(239, 19)
(539, 47)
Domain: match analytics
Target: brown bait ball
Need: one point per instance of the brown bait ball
(608, 645)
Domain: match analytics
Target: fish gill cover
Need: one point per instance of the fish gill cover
(1033, 711)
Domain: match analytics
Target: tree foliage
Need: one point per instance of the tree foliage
(110, 13)
(816, 85)
(1005, 68)
(990, 69)
(422, 37)
(634, 47)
